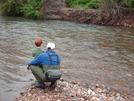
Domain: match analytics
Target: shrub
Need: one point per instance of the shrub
(32, 9)
(128, 4)
(12, 7)
(28, 8)
(116, 4)
(105, 4)
(84, 3)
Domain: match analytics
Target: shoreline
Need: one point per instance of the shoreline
(114, 16)
(71, 91)
(98, 17)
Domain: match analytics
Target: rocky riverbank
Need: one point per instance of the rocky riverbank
(71, 91)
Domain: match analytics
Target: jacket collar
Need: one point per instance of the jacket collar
(50, 51)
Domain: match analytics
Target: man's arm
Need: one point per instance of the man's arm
(36, 61)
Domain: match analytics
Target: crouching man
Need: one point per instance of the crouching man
(50, 72)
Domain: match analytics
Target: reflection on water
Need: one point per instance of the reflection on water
(89, 54)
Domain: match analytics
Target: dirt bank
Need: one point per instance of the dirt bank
(71, 91)
(59, 9)
(94, 16)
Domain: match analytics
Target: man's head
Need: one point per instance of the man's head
(51, 45)
(38, 42)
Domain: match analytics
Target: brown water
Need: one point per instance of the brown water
(89, 54)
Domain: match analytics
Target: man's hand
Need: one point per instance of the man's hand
(28, 67)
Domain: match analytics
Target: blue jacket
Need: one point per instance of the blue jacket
(44, 59)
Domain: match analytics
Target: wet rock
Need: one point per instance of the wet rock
(22, 93)
(74, 82)
(97, 86)
(31, 79)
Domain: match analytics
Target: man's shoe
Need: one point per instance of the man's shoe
(53, 85)
(41, 85)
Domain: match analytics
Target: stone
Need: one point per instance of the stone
(97, 86)
(95, 99)
(90, 92)
(98, 90)
(74, 82)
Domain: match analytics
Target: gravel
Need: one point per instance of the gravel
(71, 91)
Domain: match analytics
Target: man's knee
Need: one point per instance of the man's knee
(33, 67)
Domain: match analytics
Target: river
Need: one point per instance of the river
(90, 54)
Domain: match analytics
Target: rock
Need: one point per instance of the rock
(72, 95)
(97, 86)
(90, 92)
(61, 79)
(129, 75)
(95, 99)
(98, 90)
(74, 82)
(117, 24)
(81, 99)
(111, 98)
(22, 93)
(78, 83)
(117, 94)
(104, 98)
(65, 72)
(31, 79)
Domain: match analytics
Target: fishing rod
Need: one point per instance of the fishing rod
(29, 41)
(36, 35)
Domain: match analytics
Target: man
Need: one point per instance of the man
(49, 60)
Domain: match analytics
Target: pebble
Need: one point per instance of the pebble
(74, 82)
(97, 86)
(90, 92)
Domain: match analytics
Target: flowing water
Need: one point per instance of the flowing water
(90, 54)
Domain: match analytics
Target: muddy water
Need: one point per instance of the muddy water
(89, 54)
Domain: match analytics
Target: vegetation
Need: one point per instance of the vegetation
(27, 8)
(102, 3)
(128, 4)
(32, 8)
(11, 7)
(83, 3)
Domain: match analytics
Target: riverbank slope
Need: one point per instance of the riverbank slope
(60, 10)
(100, 17)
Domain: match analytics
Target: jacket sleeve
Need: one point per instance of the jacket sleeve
(36, 61)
